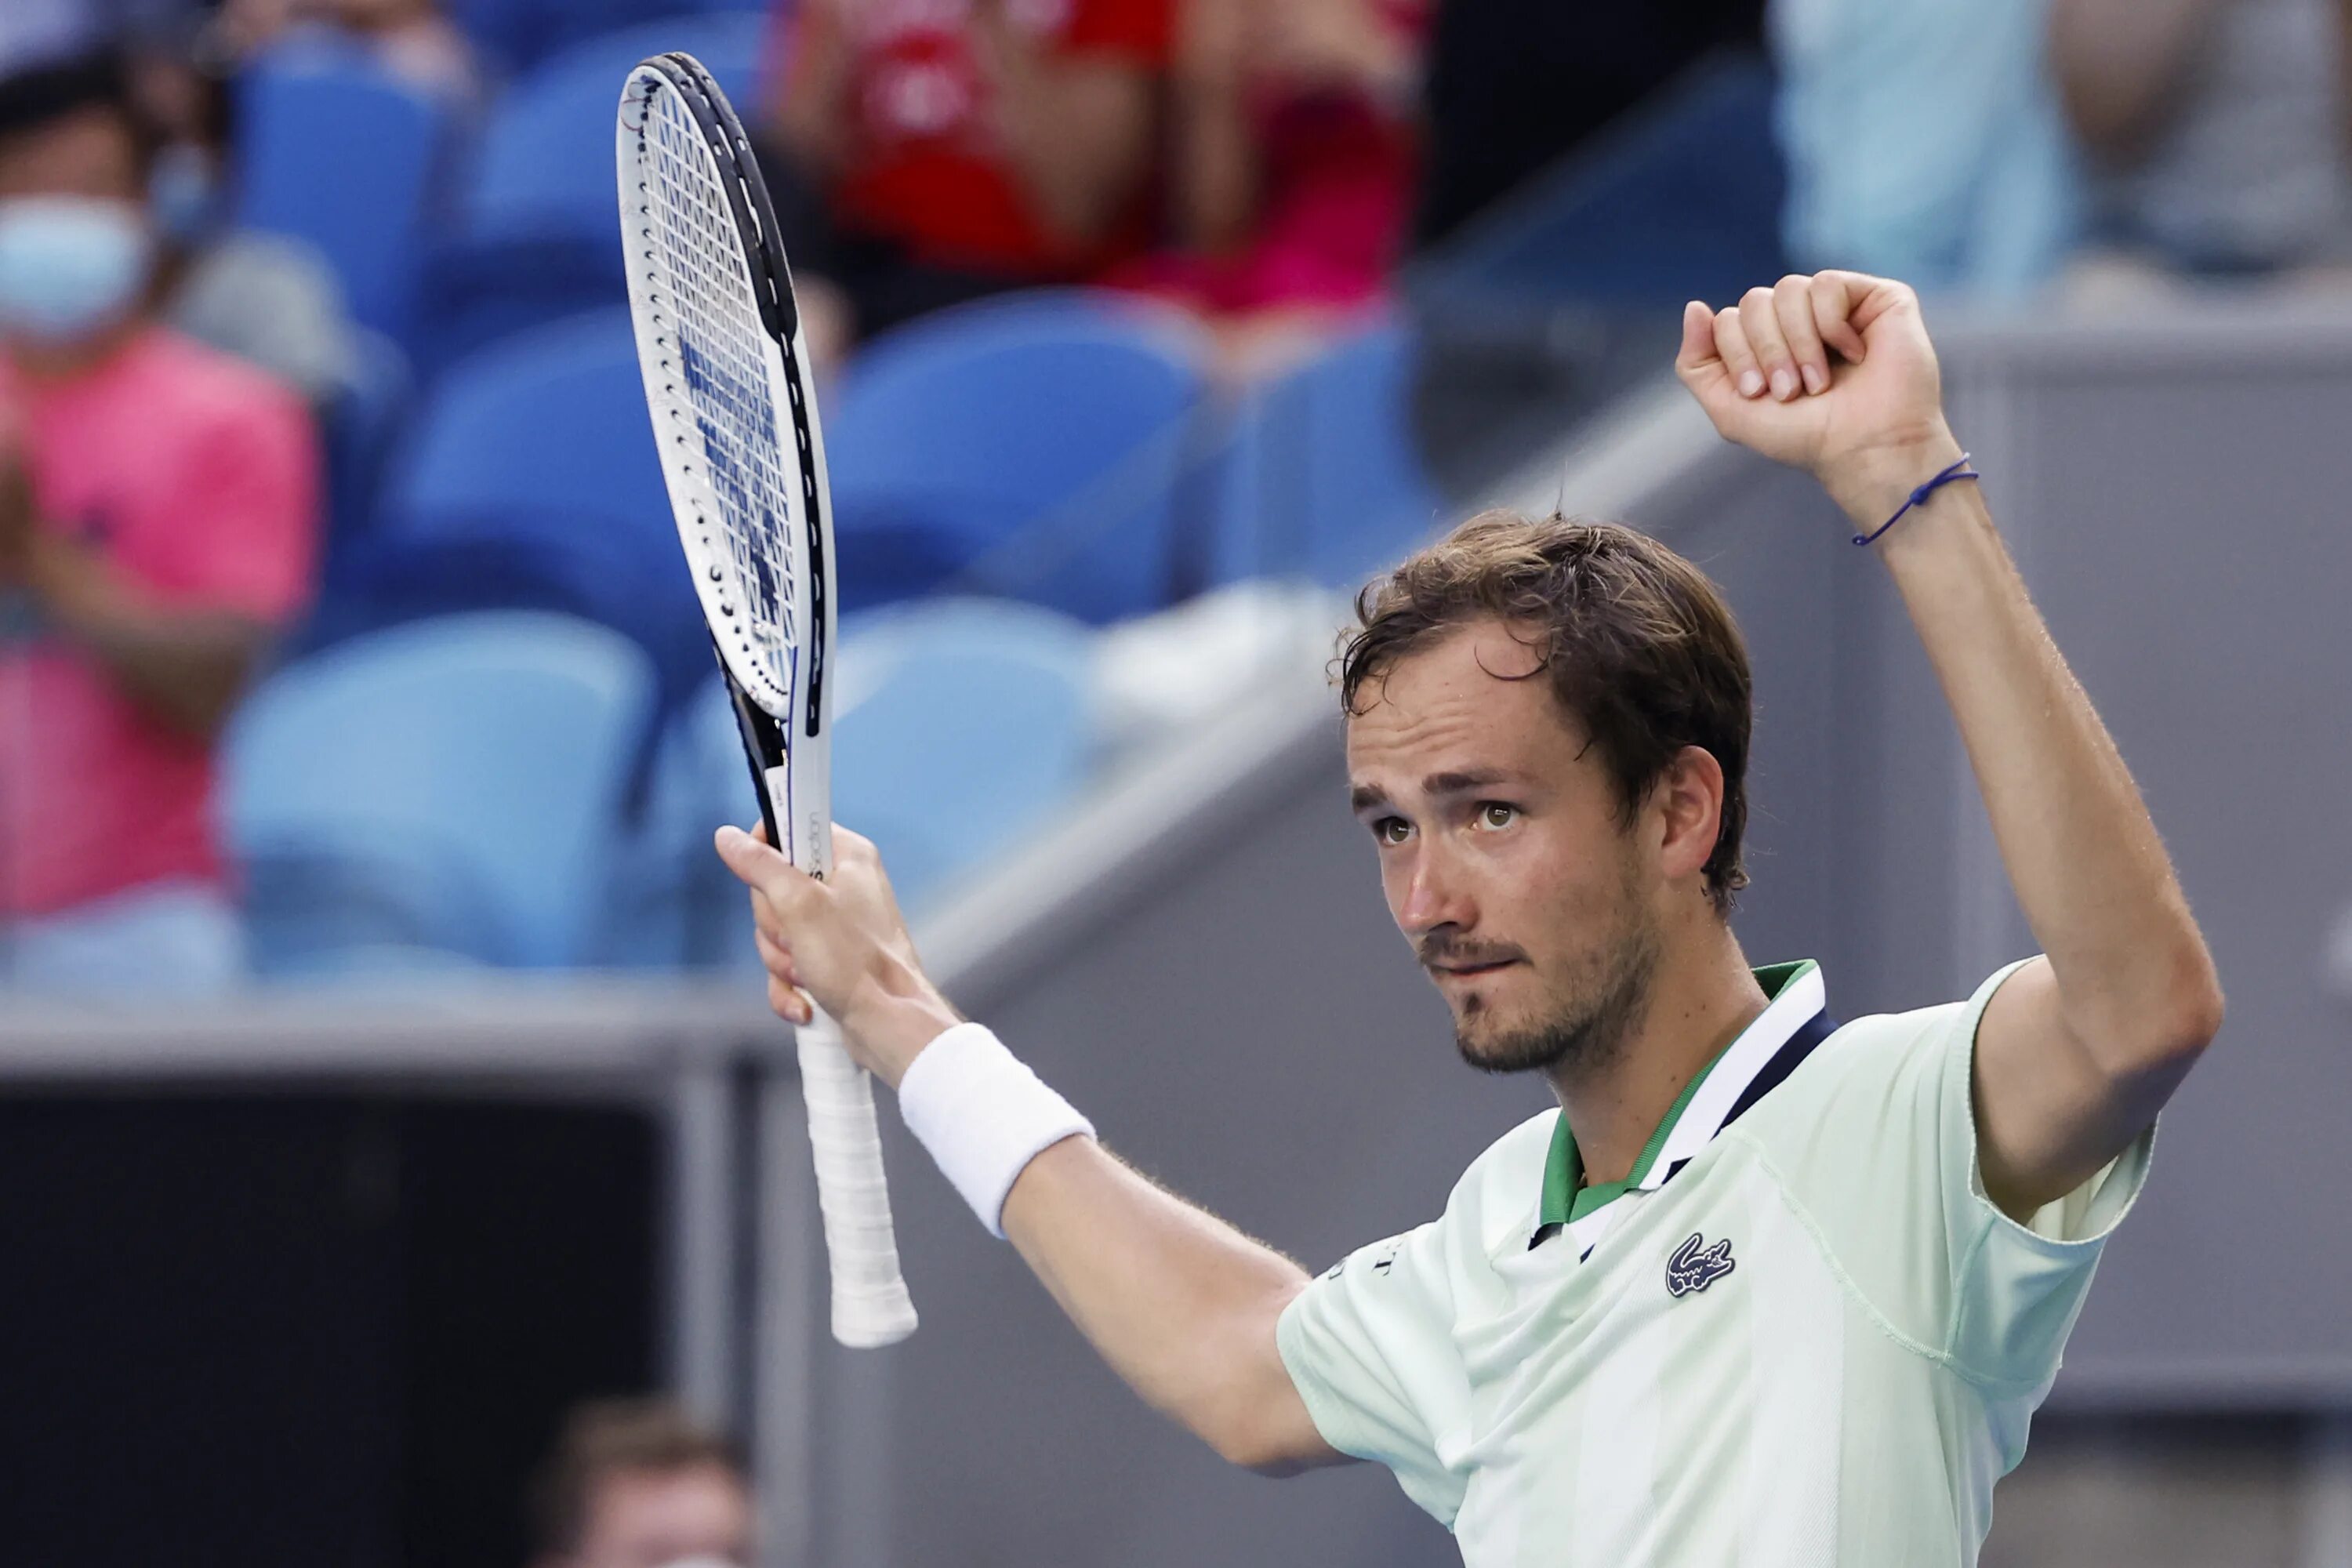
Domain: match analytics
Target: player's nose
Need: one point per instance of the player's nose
(1431, 898)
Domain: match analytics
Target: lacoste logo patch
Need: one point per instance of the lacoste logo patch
(1695, 1266)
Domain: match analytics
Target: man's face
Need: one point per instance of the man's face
(86, 153)
(648, 1519)
(1503, 854)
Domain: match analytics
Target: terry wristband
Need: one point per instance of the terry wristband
(983, 1116)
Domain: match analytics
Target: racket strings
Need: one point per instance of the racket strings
(720, 340)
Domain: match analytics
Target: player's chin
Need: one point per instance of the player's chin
(1491, 1045)
(1482, 1024)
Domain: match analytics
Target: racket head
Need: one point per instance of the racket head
(732, 397)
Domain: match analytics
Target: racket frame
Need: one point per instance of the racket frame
(779, 726)
(786, 729)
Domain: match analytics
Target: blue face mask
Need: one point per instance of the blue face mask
(70, 267)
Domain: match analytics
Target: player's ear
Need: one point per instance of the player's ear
(1688, 797)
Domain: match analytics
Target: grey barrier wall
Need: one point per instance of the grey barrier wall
(1205, 965)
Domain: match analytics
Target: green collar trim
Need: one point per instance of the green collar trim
(1565, 1199)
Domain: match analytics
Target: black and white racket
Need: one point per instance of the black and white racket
(734, 412)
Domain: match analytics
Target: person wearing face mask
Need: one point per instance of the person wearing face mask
(157, 520)
(638, 1483)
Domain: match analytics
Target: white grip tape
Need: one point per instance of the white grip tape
(983, 1115)
(870, 1304)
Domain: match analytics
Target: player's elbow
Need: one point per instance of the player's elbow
(1260, 1442)
(2172, 1022)
(2197, 1011)
(2190, 1015)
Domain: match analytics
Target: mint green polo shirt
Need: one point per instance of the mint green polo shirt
(1798, 1334)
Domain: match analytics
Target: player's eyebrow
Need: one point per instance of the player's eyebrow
(1363, 797)
(1463, 781)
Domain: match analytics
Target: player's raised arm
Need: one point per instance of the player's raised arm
(1834, 374)
(1181, 1304)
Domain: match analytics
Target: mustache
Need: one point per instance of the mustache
(1447, 952)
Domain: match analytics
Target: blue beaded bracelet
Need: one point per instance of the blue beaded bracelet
(1953, 475)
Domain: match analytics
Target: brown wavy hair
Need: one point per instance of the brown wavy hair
(1641, 650)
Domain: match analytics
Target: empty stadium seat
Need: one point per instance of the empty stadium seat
(521, 35)
(961, 726)
(1031, 446)
(530, 476)
(447, 787)
(537, 230)
(964, 724)
(366, 206)
(1323, 479)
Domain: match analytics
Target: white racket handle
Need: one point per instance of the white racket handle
(870, 1304)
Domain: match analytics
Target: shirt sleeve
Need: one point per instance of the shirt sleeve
(1881, 1153)
(1369, 1346)
(248, 504)
(2017, 1287)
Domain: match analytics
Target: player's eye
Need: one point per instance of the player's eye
(1495, 814)
(1390, 830)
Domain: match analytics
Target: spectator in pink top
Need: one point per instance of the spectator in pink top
(157, 511)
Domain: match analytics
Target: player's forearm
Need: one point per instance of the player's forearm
(1181, 1304)
(2135, 982)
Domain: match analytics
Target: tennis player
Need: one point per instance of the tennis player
(1766, 1288)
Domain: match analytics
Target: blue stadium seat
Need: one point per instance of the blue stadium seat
(1033, 446)
(368, 205)
(1322, 479)
(448, 787)
(537, 230)
(520, 34)
(963, 725)
(530, 477)
(361, 427)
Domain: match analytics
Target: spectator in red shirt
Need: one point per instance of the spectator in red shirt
(157, 510)
(930, 151)
(1295, 150)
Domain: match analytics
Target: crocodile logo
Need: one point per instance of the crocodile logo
(1695, 1266)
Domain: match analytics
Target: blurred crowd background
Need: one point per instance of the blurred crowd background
(346, 651)
(339, 605)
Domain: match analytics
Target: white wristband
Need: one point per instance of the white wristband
(983, 1115)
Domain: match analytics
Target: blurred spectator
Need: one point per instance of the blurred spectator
(931, 151)
(42, 32)
(411, 38)
(637, 1483)
(1925, 142)
(2217, 128)
(156, 520)
(1515, 85)
(270, 298)
(1296, 127)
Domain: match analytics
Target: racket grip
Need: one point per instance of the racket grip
(870, 1304)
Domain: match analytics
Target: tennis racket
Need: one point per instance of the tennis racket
(734, 413)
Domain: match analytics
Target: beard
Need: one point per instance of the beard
(1586, 1025)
